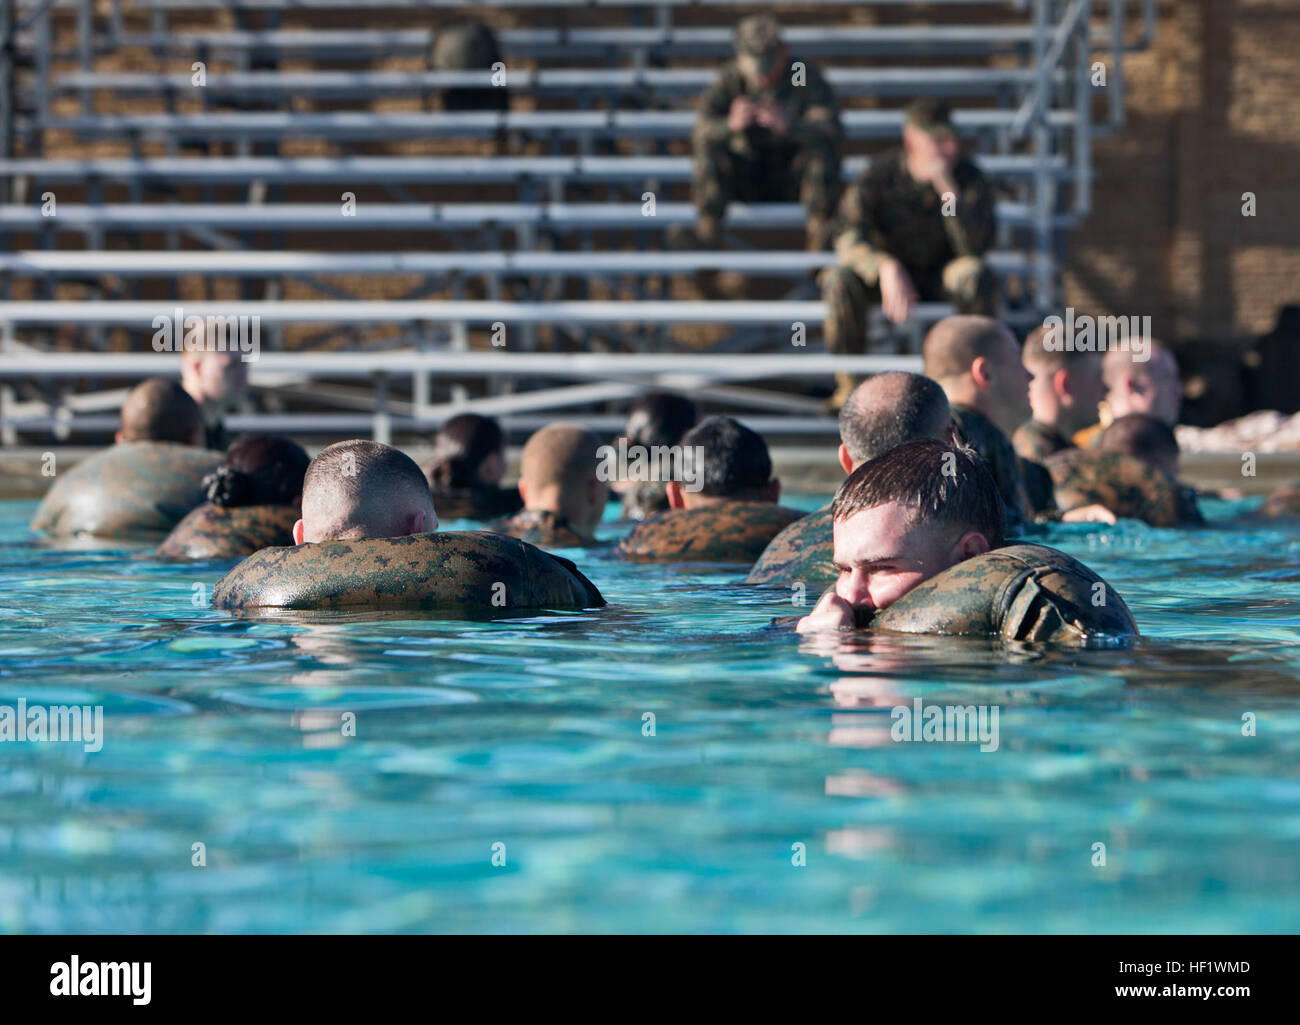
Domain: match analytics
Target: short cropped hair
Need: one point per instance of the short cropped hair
(889, 409)
(659, 418)
(351, 481)
(1039, 356)
(954, 343)
(1143, 437)
(946, 484)
(559, 454)
(459, 449)
(260, 469)
(735, 462)
(161, 410)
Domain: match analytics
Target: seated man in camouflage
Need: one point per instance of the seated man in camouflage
(564, 498)
(1133, 472)
(918, 536)
(915, 227)
(1064, 393)
(769, 131)
(723, 510)
(1148, 386)
(884, 411)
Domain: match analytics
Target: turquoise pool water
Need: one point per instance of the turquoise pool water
(529, 733)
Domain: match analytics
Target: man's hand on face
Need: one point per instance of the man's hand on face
(769, 114)
(743, 112)
(897, 295)
(830, 613)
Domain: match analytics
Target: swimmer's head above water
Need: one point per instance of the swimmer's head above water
(161, 411)
(723, 461)
(355, 490)
(902, 518)
(558, 474)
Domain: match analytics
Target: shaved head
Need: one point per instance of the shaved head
(1145, 438)
(890, 408)
(161, 410)
(1151, 387)
(362, 489)
(954, 343)
(557, 473)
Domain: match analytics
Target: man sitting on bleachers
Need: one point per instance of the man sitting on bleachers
(914, 227)
(769, 131)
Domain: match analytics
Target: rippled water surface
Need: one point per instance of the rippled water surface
(529, 733)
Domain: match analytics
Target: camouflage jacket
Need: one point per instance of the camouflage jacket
(543, 528)
(811, 108)
(476, 503)
(1037, 441)
(1023, 592)
(216, 532)
(801, 553)
(1126, 486)
(135, 489)
(888, 213)
(983, 435)
(464, 572)
(725, 532)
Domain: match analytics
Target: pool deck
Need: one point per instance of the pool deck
(802, 469)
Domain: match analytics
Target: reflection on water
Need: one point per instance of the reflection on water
(653, 766)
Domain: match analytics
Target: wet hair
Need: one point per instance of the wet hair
(260, 469)
(563, 454)
(1143, 437)
(946, 484)
(889, 409)
(160, 410)
(459, 449)
(735, 463)
(659, 418)
(954, 343)
(352, 483)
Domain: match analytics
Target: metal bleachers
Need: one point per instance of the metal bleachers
(243, 183)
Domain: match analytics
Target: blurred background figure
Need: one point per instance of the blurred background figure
(468, 45)
(1151, 387)
(1064, 394)
(218, 382)
(465, 472)
(914, 227)
(656, 419)
(769, 131)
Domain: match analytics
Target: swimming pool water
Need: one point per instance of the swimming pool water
(529, 733)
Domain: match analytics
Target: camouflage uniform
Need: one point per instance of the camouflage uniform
(482, 503)
(889, 214)
(726, 532)
(645, 498)
(757, 166)
(1126, 486)
(135, 489)
(983, 435)
(216, 532)
(541, 527)
(216, 437)
(1022, 592)
(468, 45)
(1037, 441)
(802, 553)
(465, 572)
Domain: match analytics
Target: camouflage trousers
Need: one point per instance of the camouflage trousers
(966, 282)
(809, 174)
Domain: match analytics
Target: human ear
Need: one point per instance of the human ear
(676, 495)
(297, 532)
(971, 544)
(846, 460)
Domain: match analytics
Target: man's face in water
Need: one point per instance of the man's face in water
(881, 553)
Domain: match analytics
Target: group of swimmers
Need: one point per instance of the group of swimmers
(942, 468)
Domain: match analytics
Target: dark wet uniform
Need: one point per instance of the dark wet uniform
(889, 214)
(1023, 592)
(218, 532)
(1037, 441)
(757, 166)
(135, 489)
(541, 527)
(802, 553)
(482, 503)
(1126, 486)
(984, 436)
(725, 532)
(463, 571)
